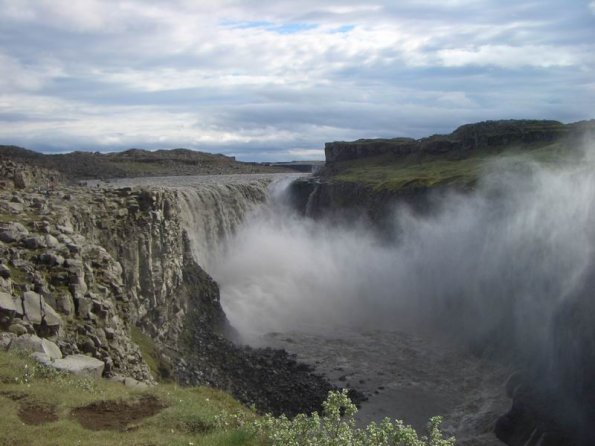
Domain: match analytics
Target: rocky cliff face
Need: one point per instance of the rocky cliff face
(331, 199)
(64, 285)
(85, 267)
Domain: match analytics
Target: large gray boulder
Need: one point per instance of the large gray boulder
(37, 310)
(5, 340)
(8, 304)
(75, 364)
(21, 179)
(34, 344)
(8, 309)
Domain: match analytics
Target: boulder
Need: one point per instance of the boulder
(33, 344)
(35, 242)
(8, 304)
(21, 179)
(129, 382)
(20, 326)
(65, 304)
(17, 329)
(51, 259)
(5, 340)
(8, 309)
(13, 232)
(51, 241)
(84, 307)
(79, 365)
(37, 310)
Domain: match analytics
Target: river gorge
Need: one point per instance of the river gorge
(464, 303)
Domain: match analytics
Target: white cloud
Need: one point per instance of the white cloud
(511, 57)
(306, 154)
(180, 72)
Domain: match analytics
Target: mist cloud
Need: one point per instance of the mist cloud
(495, 263)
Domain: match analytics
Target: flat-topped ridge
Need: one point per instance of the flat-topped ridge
(465, 138)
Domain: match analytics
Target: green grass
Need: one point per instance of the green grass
(384, 172)
(190, 418)
(18, 276)
(150, 354)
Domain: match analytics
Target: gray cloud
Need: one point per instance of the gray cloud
(269, 80)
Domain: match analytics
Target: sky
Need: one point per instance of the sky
(274, 80)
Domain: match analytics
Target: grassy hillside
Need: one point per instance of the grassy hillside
(39, 406)
(385, 172)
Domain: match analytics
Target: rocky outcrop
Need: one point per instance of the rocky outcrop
(82, 267)
(63, 286)
(20, 175)
(333, 200)
(465, 139)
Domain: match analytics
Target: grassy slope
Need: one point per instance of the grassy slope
(189, 419)
(384, 172)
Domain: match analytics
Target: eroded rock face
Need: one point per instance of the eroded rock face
(93, 263)
(56, 283)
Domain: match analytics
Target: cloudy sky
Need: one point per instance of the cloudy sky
(271, 79)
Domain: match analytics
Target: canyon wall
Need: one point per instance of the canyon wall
(108, 265)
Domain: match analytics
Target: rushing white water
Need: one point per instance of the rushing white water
(211, 206)
(211, 213)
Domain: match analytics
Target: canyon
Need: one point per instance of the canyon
(423, 293)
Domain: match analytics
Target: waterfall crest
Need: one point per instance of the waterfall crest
(210, 213)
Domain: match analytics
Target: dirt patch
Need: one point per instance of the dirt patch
(33, 413)
(15, 396)
(116, 414)
(30, 411)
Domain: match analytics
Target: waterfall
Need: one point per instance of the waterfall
(210, 213)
